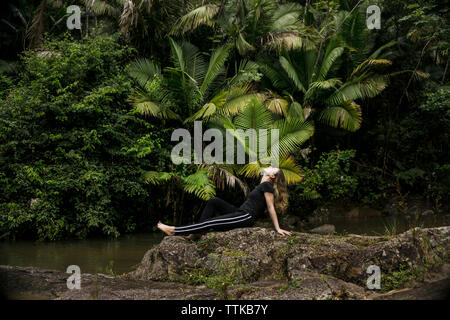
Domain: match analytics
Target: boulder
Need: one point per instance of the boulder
(40, 284)
(172, 256)
(252, 255)
(257, 263)
(324, 229)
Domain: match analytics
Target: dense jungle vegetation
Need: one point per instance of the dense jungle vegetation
(86, 116)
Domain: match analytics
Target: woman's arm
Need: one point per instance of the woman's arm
(273, 214)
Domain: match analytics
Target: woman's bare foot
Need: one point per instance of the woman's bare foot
(170, 231)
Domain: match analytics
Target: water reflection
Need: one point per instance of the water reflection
(92, 256)
(383, 225)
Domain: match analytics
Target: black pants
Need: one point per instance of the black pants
(230, 217)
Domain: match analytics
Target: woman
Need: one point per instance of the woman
(271, 193)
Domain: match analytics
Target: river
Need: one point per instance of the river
(121, 255)
(92, 255)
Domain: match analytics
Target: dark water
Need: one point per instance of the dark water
(123, 254)
(92, 256)
(384, 225)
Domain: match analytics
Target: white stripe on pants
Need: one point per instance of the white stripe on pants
(213, 222)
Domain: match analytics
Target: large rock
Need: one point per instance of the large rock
(258, 263)
(252, 255)
(173, 255)
(39, 284)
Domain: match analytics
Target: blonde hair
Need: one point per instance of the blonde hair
(280, 192)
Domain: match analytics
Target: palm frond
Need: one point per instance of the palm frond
(296, 111)
(275, 76)
(417, 74)
(293, 132)
(322, 85)
(328, 62)
(309, 195)
(225, 175)
(196, 65)
(242, 45)
(203, 15)
(347, 116)
(236, 103)
(216, 64)
(245, 68)
(177, 55)
(254, 116)
(150, 104)
(358, 89)
(286, 17)
(381, 49)
(367, 64)
(291, 171)
(292, 73)
(143, 70)
(199, 184)
(277, 105)
(101, 7)
(157, 177)
(205, 112)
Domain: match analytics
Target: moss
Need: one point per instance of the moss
(205, 245)
(95, 291)
(292, 284)
(330, 271)
(230, 274)
(397, 279)
(292, 241)
(234, 253)
(109, 269)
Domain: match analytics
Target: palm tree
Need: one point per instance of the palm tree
(292, 133)
(249, 24)
(318, 82)
(140, 20)
(143, 15)
(192, 88)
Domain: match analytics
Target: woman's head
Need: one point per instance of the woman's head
(278, 180)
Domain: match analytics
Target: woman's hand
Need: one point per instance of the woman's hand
(284, 232)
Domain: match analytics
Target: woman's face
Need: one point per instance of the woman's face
(271, 171)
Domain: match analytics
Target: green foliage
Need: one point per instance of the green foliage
(422, 150)
(71, 152)
(437, 103)
(373, 189)
(330, 178)
(229, 274)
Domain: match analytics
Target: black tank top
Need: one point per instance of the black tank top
(256, 202)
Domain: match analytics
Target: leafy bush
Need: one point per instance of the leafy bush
(71, 150)
(329, 179)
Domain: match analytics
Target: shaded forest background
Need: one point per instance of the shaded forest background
(86, 116)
